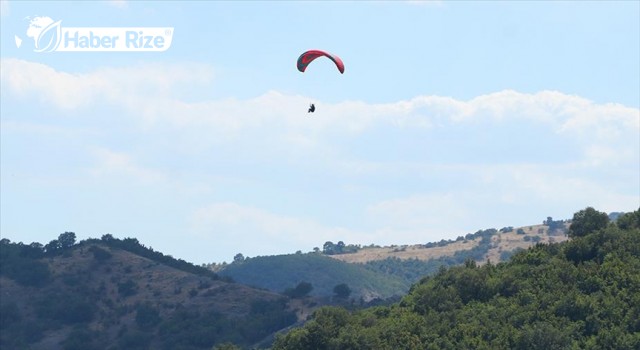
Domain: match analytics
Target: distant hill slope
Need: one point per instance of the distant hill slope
(276, 273)
(383, 272)
(100, 295)
(504, 240)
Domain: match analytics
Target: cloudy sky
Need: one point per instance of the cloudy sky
(450, 117)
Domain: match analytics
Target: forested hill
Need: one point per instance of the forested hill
(579, 294)
(375, 272)
(118, 294)
(277, 273)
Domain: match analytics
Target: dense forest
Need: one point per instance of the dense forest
(579, 294)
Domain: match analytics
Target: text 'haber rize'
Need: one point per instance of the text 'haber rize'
(132, 40)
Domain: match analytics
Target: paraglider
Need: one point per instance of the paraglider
(309, 56)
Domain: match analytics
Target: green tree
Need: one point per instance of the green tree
(342, 291)
(629, 220)
(107, 237)
(301, 290)
(587, 221)
(329, 248)
(542, 336)
(52, 247)
(67, 239)
(340, 247)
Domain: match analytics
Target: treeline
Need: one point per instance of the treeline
(330, 248)
(132, 245)
(579, 294)
(554, 227)
(19, 261)
(483, 235)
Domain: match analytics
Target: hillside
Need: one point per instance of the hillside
(97, 294)
(384, 272)
(580, 294)
(501, 242)
(277, 273)
(118, 294)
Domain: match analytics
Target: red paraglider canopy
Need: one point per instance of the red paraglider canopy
(306, 58)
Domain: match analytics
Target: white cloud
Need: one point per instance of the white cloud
(605, 122)
(42, 130)
(570, 186)
(150, 91)
(231, 227)
(112, 165)
(420, 217)
(152, 96)
(40, 81)
(133, 87)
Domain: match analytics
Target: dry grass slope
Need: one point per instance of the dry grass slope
(502, 242)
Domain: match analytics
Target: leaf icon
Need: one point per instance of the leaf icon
(49, 38)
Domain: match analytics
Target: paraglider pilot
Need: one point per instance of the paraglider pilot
(312, 108)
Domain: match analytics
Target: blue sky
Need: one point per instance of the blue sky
(450, 117)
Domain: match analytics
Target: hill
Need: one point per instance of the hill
(277, 273)
(384, 272)
(505, 240)
(579, 294)
(117, 294)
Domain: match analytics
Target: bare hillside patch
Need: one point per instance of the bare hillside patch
(521, 237)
